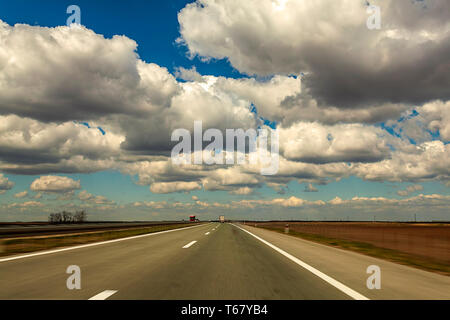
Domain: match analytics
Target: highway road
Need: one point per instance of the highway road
(212, 261)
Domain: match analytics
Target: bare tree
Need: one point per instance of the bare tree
(80, 216)
(68, 217)
(55, 217)
(52, 218)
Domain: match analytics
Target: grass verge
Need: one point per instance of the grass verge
(374, 251)
(37, 243)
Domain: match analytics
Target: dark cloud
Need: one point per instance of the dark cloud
(345, 64)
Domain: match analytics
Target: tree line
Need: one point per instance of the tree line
(68, 217)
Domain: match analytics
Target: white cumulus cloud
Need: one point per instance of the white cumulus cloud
(57, 184)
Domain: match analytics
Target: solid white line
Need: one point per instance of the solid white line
(94, 244)
(206, 233)
(103, 295)
(350, 292)
(189, 244)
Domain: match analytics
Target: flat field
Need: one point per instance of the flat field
(424, 245)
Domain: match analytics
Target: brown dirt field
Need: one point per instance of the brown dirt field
(430, 241)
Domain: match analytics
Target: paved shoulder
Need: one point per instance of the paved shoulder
(397, 281)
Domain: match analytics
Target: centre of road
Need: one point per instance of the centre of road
(103, 295)
(189, 244)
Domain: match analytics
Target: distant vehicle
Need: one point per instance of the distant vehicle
(192, 219)
(222, 219)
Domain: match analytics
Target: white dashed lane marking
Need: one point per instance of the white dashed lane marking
(103, 295)
(189, 244)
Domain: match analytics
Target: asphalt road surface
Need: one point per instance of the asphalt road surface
(212, 261)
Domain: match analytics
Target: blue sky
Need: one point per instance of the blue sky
(155, 26)
(152, 24)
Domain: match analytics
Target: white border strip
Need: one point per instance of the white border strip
(189, 244)
(95, 244)
(350, 292)
(103, 295)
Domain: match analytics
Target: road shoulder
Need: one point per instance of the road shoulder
(397, 281)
